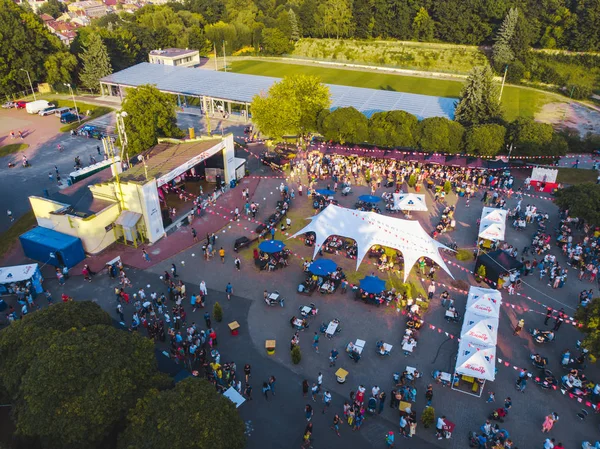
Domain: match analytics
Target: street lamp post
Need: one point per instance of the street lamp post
(122, 135)
(30, 83)
(74, 102)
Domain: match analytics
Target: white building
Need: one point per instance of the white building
(175, 57)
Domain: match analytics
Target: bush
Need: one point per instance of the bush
(296, 355)
(464, 255)
(447, 187)
(481, 273)
(412, 181)
(428, 417)
(218, 312)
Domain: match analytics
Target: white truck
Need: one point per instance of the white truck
(34, 107)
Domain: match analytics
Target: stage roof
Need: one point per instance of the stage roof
(241, 88)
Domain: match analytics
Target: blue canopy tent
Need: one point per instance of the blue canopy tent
(325, 192)
(369, 198)
(271, 246)
(372, 284)
(322, 267)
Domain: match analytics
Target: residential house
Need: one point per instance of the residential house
(175, 57)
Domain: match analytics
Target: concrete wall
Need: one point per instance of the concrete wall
(90, 230)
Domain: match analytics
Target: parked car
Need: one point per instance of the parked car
(60, 111)
(21, 104)
(47, 111)
(9, 105)
(69, 117)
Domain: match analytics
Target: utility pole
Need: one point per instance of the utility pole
(110, 150)
(74, 102)
(224, 58)
(503, 81)
(122, 135)
(216, 58)
(30, 83)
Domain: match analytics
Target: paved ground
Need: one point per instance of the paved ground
(280, 421)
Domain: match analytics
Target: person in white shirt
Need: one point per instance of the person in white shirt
(440, 426)
(549, 443)
(375, 391)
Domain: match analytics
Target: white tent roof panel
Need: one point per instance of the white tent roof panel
(476, 361)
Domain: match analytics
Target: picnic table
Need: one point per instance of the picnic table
(331, 328)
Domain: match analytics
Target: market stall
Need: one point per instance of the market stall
(20, 276)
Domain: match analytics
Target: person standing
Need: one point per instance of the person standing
(548, 315)
(326, 400)
(248, 391)
(272, 381)
(559, 320)
(207, 321)
(229, 291)
(145, 255)
(333, 357)
(381, 402)
(316, 342)
(429, 395)
(336, 424)
(308, 412)
(314, 391)
(120, 312)
(238, 263)
(265, 390)
(203, 288)
(305, 387)
(222, 254)
(439, 427)
(507, 404)
(519, 327)
(491, 398)
(389, 439)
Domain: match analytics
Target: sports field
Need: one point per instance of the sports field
(516, 101)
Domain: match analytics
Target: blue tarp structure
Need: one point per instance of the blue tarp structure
(369, 198)
(325, 192)
(271, 246)
(322, 267)
(52, 247)
(372, 284)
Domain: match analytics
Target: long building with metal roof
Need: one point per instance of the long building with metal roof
(218, 90)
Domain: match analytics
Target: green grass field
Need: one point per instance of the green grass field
(12, 148)
(516, 101)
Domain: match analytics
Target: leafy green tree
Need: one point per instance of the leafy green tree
(532, 138)
(26, 44)
(345, 125)
(309, 17)
(393, 129)
(24, 340)
(53, 8)
(190, 416)
(96, 63)
(502, 52)
(275, 42)
(479, 98)
(337, 18)
(589, 317)
(438, 134)
(363, 18)
(291, 106)
(150, 115)
(486, 140)
(78, 391)
(294, 27)
(423, 26)
(581, 200)
(60, 67)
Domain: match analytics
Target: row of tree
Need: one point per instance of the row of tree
(76, 381)
(300, 104)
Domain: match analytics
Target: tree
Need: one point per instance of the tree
(582, 201)
(486, 140)
(96, 63)
(337, 18)
(60, 67)
(589, 317)
(150, 114)
(24, 340)
(393, 129)
(345, 125)
(438, 134)
(294, 29)
(275, 42)
(296, 355)
(423, 26)
(53, 8)
(79, 389)
(26, 44)
(532, 138)
(291, 106)
(479, 98)
(218, 312)
(363, 18)
(502, 52)
(192, 415)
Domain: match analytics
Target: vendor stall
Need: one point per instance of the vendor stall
(20, 275)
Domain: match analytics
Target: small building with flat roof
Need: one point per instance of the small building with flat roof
(176, 57)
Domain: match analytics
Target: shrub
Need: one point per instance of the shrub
(296, 355)
(464, 255)
(481, 273)
(428, 417)
(218, 312)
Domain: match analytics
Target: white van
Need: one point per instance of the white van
(34, 107)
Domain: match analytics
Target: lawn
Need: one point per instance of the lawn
(516, 101)
(12, 148)
(20, 226)
(576, 175)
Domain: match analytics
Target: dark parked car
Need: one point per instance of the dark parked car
(69, 117)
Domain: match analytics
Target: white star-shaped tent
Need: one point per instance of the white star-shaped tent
(370, 228)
